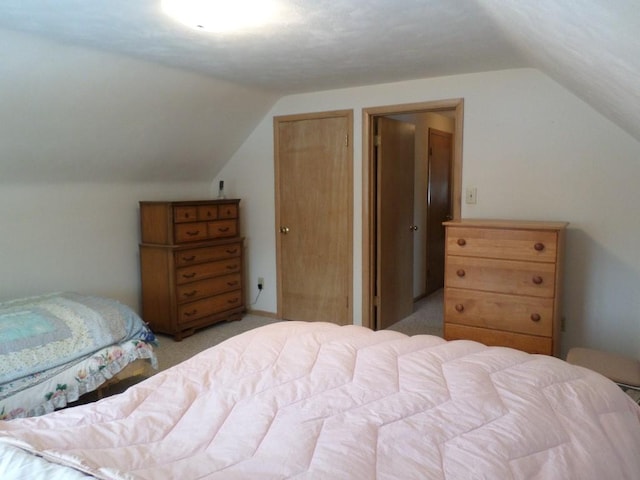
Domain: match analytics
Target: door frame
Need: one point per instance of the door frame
(348, 114)
(368, 182)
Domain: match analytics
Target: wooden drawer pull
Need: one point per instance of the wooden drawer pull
(231, 252)
(233, 301)
(188, 275)
(190, 294)
(459, 307)
(539, 247)
(232, 284)
(232, 267)
(535, 317)
(537, 279)
(189, 259)
(462, 242)
(461, 273)
(193, 233)
(190, 313)
(223, 229)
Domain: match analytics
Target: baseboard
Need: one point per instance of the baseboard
(262, 313)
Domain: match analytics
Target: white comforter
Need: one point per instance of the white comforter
(297, 400)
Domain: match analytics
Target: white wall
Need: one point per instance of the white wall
(71, 114)
(86, 135)
(80, 237)
(532, 149)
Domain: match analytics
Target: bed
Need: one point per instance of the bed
(54, 348)
(321, 401)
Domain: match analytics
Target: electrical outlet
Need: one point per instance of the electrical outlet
(260, 283)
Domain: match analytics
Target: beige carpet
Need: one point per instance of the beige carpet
(427, 317)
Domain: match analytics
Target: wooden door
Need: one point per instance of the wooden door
(438, 205)
(314, 217)
(395, 225)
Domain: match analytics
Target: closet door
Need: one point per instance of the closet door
(314, 216)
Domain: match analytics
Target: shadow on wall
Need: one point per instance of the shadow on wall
(601, 299)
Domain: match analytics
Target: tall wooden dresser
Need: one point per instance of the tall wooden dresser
(503, 282)
(191, 263)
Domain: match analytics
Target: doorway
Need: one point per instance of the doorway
(373, 295)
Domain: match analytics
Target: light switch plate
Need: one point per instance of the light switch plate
(471, 196)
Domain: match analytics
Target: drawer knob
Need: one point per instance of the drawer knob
(189, 259)
(462, 242)
(193, 233)
(535, 317)
(190, 294)
(459, 307)
(461, 273)
(539, 247)
(537, 279)
(233, 301)
(223, 229)
(232, 267)
(231, 252)
(190, 313)
(232, 284)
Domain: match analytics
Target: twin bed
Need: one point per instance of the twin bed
(319, 401)
(55, 348)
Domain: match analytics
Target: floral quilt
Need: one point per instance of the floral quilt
(56, 347)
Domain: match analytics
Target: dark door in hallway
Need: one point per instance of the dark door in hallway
(438, 205)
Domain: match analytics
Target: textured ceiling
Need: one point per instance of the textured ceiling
(591, 47)
(322, 44)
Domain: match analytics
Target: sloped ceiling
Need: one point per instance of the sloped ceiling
(592, 47)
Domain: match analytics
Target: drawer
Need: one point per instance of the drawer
(190, 232)
(207, 212)
(526, 343)
(206, 288)
(530, 245)
(510, 313)
(501, 276)
(209, 306)
(228, 211)
(185, 214)
(207, 254)
(192, 273)
(222, 228)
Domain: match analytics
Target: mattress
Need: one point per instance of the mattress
(317, 401)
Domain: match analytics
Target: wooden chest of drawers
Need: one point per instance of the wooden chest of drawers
(502, 283)
(191, 259)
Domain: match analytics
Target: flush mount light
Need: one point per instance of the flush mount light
(222, 15)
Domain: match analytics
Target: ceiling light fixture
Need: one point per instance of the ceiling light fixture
(222, 15)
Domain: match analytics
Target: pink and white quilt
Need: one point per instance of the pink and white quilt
(320, 401)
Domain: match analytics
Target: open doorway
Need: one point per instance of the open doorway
(373, 295)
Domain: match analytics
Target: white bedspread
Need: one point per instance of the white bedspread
(297, 400)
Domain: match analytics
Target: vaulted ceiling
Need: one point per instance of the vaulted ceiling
(592, 47)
